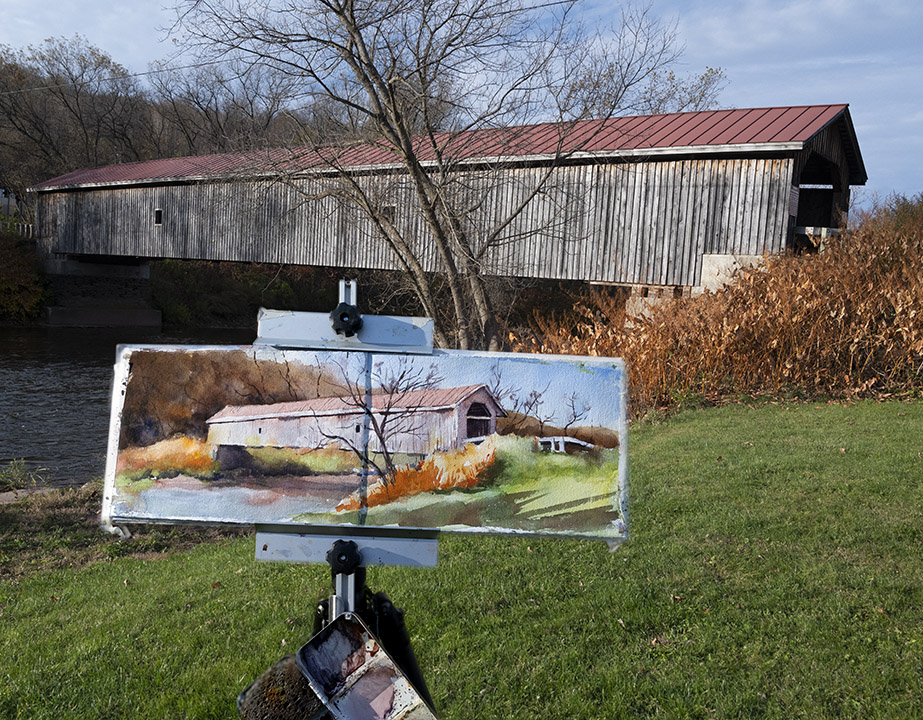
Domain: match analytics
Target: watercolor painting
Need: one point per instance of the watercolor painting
(453, 441)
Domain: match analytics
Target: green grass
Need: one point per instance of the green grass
(14, 475)
(775, 570)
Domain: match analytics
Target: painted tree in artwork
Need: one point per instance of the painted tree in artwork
(386, 400)
(526, 409)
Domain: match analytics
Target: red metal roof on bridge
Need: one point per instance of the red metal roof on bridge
(679, 131)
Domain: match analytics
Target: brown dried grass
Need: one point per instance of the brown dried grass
(450, 470)
(842, 323)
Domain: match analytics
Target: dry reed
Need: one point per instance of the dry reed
(844, 322)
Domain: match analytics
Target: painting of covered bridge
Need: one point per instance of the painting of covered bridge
(452, 441)
(415, 422)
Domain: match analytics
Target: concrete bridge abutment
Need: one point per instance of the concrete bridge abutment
(100, 292)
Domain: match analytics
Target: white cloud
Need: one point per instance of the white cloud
(827, 51)
(755, 28)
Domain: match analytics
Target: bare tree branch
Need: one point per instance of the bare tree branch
(413, 76)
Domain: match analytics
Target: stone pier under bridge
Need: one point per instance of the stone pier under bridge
(100, 292)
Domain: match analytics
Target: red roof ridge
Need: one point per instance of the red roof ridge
(593, 137)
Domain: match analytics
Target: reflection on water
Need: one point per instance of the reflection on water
(56, 385)
(225, 504)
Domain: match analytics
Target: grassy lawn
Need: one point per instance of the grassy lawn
(775, 570)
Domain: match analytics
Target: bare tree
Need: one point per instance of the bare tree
(222, 108)
(524, 409)
(65, 105)
(413, 77)
(577, 410)
(388, 400)
(668, 93)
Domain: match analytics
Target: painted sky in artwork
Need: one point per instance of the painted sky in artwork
(557, 377)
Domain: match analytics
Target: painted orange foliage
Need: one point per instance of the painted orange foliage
(459, 468)
(180, 453)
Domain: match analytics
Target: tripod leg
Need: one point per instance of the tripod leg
(388, 624)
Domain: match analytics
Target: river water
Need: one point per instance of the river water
(55, 392)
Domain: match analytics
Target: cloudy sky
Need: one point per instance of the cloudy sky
(785, 52)
(774, 52)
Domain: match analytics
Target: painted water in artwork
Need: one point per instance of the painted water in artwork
(453, 441)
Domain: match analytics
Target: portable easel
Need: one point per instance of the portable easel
(359, 664)
(353, 617)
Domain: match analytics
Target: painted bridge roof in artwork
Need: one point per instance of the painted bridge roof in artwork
(411, 400)
(719, 131)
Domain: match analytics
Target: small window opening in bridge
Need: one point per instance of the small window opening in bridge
(478, 420)
(259, 431)
(358, 428)
(158, 216)
(388, 212)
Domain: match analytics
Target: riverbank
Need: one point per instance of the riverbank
(43, 529)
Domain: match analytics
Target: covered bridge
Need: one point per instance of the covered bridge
(416, 422)
(660, 200)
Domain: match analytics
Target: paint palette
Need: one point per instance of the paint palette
(355, 678)
(449, 441)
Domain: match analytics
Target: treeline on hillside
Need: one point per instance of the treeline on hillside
(66, 105)
(844, 322)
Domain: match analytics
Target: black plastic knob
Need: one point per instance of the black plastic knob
(346, 319)
(344, 557)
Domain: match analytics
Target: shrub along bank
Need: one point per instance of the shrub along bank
(23, 290)
(844, 322)
(201, 293)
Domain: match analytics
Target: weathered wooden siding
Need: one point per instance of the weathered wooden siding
(628, 222)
